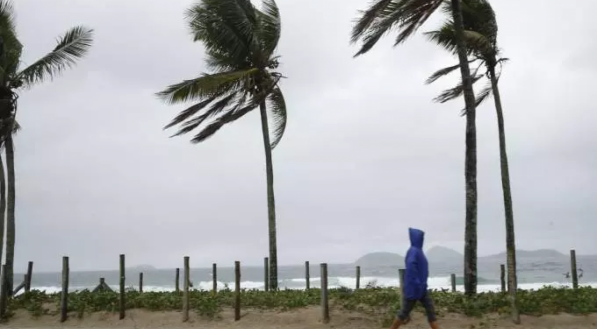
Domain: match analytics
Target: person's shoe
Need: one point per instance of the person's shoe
(434, 325)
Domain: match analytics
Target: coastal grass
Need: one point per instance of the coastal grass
(380, 303)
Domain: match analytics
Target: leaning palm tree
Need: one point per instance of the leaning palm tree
(407, 16)
(240, 43)
(481, 32)
(14, 77)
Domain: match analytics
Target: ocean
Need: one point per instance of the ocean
(533, 273)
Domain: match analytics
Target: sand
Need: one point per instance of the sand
(307, 318)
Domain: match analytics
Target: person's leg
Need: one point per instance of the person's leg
(404, 314)
(430, 310)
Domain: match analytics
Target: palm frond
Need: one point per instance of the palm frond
(216, 108)
(224, 119)
(73, 45)
(406, 15)
(190, 111)
(481, 97)
(224, 26)
(10, 46)
(453, 93)
(269, 27)
(208, 85)
(443, 72)
(416, 13)
(242, 107)
(277, 107)
(368, 16)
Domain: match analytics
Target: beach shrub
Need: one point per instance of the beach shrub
(377, 302)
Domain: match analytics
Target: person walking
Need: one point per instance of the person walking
(415, 282)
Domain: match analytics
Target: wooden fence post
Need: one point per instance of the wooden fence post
(358, 275)
(140, 281)
(214, 274)
(29, 276)
(573, 269)
(64, 296)
(185, 291)
(177, 280)
(122, 302)
(266, 273)
(3, 293)
(325, 307)
(236, 291)
(503, 277)
(307, 276)
(453, 281)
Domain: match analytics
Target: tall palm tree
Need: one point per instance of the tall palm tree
(407, 16)
(14, 77)
(481, 32)
(240, 43)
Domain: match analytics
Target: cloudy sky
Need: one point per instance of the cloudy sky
(366, 154)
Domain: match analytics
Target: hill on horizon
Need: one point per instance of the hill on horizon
(443, 254)
(379, 259)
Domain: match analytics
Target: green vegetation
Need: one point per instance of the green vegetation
(381, 303)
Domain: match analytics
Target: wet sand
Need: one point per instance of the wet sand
(307, 318)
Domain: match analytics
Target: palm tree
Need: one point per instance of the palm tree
(240, 43)
(407, 16)
(481, 32)
(71, 46)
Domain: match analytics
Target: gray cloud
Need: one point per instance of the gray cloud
(367, 153)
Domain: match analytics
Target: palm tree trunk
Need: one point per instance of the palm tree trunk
(470, 166)
(510, 238)
(2, 205)
(10, 214)
(271, 201)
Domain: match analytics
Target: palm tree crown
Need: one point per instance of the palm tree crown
(481, 39)
(240, 42)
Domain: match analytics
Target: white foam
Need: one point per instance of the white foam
(437, 283)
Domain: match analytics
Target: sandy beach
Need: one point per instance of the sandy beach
(307, 318)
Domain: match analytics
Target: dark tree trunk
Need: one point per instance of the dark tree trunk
(10, 213)
(509, 212)
(2, 204)
(470, 166)
(271, 201)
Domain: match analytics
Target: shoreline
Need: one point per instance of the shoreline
(304, 318)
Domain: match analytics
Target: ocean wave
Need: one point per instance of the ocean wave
(436, 283)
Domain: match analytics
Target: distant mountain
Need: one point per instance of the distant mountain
(540, 253)
(443, 254)
(380, 259)
(144, 267)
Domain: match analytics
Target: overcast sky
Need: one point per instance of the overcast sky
(366, 152)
